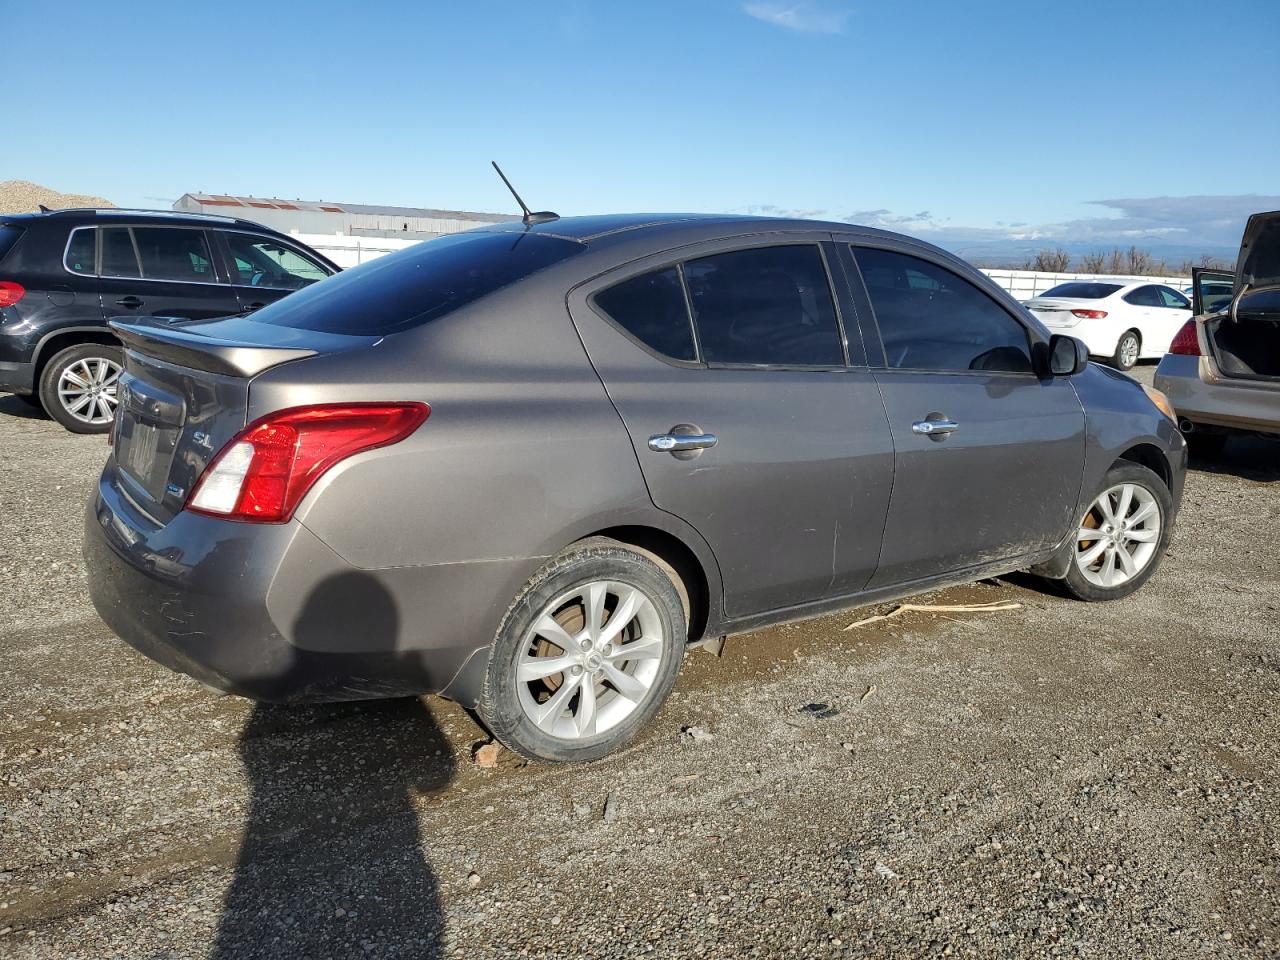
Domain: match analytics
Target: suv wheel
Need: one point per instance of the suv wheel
(1127, 351)
(1122, 536)
(585, 656)
(78, 386)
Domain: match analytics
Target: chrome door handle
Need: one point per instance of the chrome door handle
(679, 442)
(934, 428)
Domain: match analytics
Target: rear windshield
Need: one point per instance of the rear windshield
(417, 285)
(9, 235)
(1082, 291)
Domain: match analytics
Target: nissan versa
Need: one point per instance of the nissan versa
(525, 466)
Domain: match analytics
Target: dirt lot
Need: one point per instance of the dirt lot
(1063, 779)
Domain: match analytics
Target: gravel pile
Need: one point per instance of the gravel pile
(23, 196)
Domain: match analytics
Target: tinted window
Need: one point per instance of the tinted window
(950, 325)
(651, 308)
(118, 257)
(1171, 298)
(172, 253)
(771, 305)
(1082, 291)
(410, 288)
(9, 235)
(1144, 297)
(259, 262)
(81, 250)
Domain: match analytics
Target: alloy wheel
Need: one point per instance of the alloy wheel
(87, 389)
(1119, 535)
(590, 659)
(1129, 350)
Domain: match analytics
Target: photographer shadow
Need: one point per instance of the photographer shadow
(332, 861)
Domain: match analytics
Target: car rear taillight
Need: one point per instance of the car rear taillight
(1089, 314)
(11, 293)
(264, 471)
(1186, 342)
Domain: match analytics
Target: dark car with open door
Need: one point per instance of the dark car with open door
(65, 273)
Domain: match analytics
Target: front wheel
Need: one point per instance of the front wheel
(1122, 536)
(585, 656)
(1127, 351)
(78, 386)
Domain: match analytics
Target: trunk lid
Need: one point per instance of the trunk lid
(1056, 311)
(184, 394)
(1258, 264)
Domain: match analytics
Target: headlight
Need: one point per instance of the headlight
(1161, 401)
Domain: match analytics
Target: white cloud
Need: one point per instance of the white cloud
(1171, 226)
(801, 17)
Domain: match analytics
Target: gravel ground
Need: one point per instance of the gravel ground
(1063, 779)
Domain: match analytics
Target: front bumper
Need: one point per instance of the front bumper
(17, 377)
(268, 611)
(1198, 396)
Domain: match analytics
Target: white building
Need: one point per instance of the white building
(347, 233)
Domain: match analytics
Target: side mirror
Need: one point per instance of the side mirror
(1067, 355)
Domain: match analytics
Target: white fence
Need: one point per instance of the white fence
(348, 251)
(1025, 284)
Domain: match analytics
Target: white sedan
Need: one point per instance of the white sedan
(1122, 322)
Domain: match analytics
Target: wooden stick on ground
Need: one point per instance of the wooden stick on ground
(995, 606)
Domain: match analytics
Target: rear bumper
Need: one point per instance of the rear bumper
(1198, 397)
(268, 611)
(17, 377)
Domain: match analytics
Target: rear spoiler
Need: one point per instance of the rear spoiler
(159, 337)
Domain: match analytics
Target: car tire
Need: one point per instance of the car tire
(1205, 445)
(1128, 347)
(78, 386)
(528, 710)
(1091, 575)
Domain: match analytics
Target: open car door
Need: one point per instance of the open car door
(1210, 290)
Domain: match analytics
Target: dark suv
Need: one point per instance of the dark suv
(64, 272)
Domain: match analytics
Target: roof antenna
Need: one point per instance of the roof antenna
(43, 208)
(530, 218)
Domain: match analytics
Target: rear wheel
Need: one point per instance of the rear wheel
(1122, 536)
(585, 656)
(78, 386)
(1127, 350)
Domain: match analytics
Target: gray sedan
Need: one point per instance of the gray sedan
(527, 466)
(1222, 372)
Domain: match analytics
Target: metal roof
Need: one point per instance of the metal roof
(245, 205)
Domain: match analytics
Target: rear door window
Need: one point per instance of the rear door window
(1144, 297)
(260, 262)
(765, 306)
(119, 258)
(82, 249)
(407, 289)
(651, 307)
(946, 324)
(174, 253)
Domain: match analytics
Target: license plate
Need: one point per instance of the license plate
(141, 457)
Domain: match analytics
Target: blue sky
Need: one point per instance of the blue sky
(974, 124)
